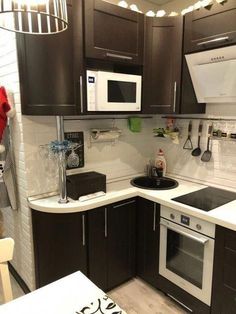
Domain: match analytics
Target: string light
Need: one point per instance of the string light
(198, 5)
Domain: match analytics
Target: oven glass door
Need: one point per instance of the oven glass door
(185, 258)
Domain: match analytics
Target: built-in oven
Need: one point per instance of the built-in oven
(187, 252)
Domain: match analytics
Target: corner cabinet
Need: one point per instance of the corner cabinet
(60, 245)
(113, 33)
(51, 68)
(210, 27)
(112, 244)
(162, 65)
(224, 277)
(147, 244)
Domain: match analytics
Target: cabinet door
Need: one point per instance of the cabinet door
(49, 79)
(148, 233)
(210, 28)
(59, 245)
(224, 277)
(113, 33)
(162, 65)
(97, 246)
(121, 242)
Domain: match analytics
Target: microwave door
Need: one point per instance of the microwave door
(119, 92)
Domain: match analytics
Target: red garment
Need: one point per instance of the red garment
(4, 109)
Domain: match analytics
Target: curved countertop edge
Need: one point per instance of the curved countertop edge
(119, 191)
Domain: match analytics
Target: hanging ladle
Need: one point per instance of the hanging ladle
(197, 151)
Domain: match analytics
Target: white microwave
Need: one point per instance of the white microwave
(108, 91)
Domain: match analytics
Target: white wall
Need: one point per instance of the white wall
(143, 5)
(177, 5)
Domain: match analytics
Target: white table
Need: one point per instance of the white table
(65, 296)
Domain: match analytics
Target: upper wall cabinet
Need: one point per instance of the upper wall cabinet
(162, 65)
(113, 33)
(210, 28)
(51, 68)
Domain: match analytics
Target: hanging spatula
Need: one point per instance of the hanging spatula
(188, 143)
(197, 151)
(207, 154)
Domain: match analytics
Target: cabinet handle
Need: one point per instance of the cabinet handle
(154, 216)
(175, 94)
(213, 41)
(105, 218)
(83, 230)
(113, 55)
(81, 94)
(123, 204)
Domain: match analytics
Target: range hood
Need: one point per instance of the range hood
(213, 74)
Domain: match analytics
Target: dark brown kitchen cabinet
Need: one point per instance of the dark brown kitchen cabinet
(210, 27)
(113, 33)
(60, 245)
(167, 85)
(112, 244)
(51, 68)
(147, 244)
(224, 277)
(162, 65)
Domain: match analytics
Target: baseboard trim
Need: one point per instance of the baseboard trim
(18, 278)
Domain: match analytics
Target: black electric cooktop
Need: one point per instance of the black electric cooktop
(206, 199)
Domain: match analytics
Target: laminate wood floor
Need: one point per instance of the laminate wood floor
(136, 297)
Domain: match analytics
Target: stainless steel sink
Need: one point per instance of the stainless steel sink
(154, 183)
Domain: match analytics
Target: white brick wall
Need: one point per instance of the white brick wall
(17, 223)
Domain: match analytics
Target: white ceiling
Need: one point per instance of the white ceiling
(159, 2)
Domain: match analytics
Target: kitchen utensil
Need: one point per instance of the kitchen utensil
(207, 154)
(197, 151)
(188, 143)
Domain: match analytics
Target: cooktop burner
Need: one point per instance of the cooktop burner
(206, 199)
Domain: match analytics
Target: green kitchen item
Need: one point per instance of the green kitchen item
(135, 124)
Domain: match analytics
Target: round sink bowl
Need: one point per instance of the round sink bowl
(154, 183)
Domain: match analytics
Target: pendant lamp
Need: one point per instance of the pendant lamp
(38, 17)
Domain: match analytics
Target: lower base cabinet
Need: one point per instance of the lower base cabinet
(147, 244)
(59, 245)
(224, 279)
(111, 246)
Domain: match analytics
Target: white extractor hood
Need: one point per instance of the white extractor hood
(213, 74)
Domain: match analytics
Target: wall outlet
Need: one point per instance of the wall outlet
(2, 164)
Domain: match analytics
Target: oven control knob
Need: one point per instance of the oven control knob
(172, 216)
(199, 227)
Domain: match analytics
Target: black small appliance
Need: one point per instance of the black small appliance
(85, 183)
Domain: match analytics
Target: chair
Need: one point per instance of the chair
(6, 254)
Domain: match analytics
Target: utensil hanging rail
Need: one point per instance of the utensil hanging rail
(198, 118)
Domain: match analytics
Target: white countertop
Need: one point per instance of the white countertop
(118, 191)
(64, 296)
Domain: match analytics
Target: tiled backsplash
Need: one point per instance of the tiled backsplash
(220, 170)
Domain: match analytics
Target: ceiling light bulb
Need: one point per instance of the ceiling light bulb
(134, 7)
(123, 4)
(151, 13)
(161, 13)
(220, 1)
(197, 5)
(205, 3)
(173, 13)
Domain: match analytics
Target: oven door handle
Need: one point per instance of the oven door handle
(186, 234)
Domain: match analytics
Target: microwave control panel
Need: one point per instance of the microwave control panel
(91, 90)
(75, 158)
